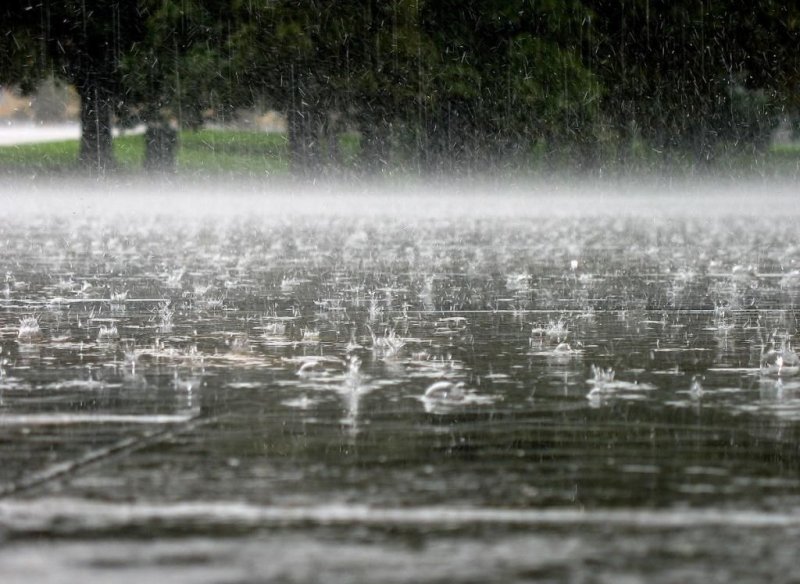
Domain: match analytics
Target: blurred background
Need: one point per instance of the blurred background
(406, 86)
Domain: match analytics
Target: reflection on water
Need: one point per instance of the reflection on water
(478, 365)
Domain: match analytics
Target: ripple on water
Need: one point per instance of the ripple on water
(256, 325)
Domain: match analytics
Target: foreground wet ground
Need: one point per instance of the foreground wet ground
(400, 398)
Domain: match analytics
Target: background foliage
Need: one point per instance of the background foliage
(428, 85)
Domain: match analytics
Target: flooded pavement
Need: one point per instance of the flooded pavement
(364, 396)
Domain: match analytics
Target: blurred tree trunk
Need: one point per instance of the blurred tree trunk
(97, 106)
(305, 158)
(160, 147)
(374, 124)
(304, 124)
(331, 131)
(375, 151)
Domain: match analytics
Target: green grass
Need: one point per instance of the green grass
(129, 152)
(230, 152)
(209, 151)
(52, 156)
(227, 151)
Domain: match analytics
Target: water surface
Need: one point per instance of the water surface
(242, 396)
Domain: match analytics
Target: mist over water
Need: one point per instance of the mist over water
(502, 379)
(416, 197)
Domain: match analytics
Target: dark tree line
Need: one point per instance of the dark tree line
(693, 77)
(426, 84)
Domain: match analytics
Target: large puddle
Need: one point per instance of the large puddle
(588, 392)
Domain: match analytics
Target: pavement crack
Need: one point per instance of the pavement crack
(94, 456)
